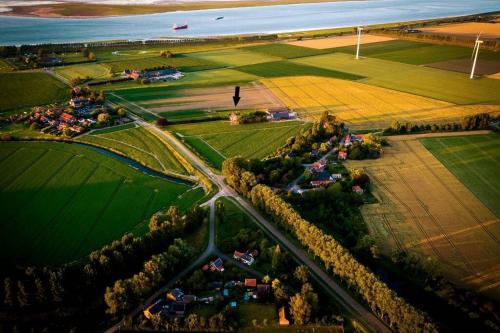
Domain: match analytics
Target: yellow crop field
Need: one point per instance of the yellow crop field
(423, 208)
(363, 106)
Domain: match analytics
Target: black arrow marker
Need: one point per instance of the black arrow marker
(236, 97)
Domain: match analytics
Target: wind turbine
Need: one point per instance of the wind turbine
(474, 55)
(359, 40)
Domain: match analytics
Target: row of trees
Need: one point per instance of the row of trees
(77, 283)
(382, 300)
(127, 293)
(474, 122)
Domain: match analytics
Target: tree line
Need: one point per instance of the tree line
(468, 123)
(127, 293)
(383, 301)
(55, 290)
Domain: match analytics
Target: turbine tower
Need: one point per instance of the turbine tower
(474, 55)
(359, 40)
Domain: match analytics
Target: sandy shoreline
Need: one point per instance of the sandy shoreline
(83, 10)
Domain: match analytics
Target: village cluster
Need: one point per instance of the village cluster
(85, 110)
(154, 75)
(325, 170)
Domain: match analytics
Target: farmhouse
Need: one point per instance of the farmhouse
(165, 74)
(280, 113)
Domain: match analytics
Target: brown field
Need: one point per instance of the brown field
(218, 98)
(363, 106)
(471, 29)
(483, 67)
(425, 209)
(326, 43)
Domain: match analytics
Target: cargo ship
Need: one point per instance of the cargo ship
(179, 27)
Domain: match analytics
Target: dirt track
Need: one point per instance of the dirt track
(325, 43)
(425, 209)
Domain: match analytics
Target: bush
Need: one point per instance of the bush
(161, 122)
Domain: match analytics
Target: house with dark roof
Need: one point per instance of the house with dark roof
(217, 265)
(281, 113)
(175, 295)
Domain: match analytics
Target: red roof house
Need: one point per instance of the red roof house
(251, 283)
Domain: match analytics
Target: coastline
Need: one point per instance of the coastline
(92, 11)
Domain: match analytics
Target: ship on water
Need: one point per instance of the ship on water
(179, 27)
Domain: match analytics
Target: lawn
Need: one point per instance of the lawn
(260, 312)
(61, 201)
(138, 144)
(249, 141)
(475, 160)
(285, 51)
(182, 62)
(416, 53)
(18, 90)
(429, 82)
(286, 68)
(94, 71)
(234, 57)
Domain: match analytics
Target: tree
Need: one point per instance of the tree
(22, 295)
(276, 258)
(121, 112)
(300, 309)
(197, 281)
(92, 56)
(301, 273)
(8, 293)
(161, 122)
(103, 118)
(75, 81)
(101, 98)
(85, 52)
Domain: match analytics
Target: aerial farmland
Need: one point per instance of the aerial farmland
(327, 180)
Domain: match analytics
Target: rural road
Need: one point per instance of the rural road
(365, 317)
(354, 308)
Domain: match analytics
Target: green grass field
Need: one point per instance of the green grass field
(475, 160)
(182, 62)
(234, 57)
(429, 82)
(415, 53)
(18, 90)
(94, 71)
(285, 51)
(140, 145)
(61, 201)
(249, 141)
(286, 68)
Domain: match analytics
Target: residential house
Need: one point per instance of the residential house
(342, 155)
(179, 308)
(335, 176)
(320, 183)
(234, 118)
(67, 118)
(250, 283)
(279, 113)
(247, 259)
(217, 265)
(175, 295)
(319, 166)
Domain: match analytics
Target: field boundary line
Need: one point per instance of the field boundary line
(300, 123)
(208, 144)
(29, 166)
(50, 225)
(459, 158)
(456, 197)
(98, 216)
(134, 104)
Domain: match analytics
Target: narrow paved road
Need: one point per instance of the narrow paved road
(364, 316)
(354, 308)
